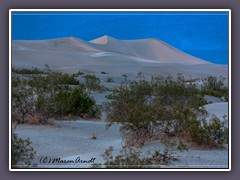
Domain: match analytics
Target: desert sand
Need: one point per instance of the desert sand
(70, 139)
(116, 57)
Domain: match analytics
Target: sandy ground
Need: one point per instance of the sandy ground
(70, 140)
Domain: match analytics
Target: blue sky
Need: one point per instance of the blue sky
(201, 34)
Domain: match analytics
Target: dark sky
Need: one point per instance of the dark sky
(202, 34)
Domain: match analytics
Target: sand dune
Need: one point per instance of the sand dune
(62, 44)
(219, 109)
(150, 56)
(152, 49)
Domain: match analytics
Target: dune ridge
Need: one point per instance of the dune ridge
(151, 56)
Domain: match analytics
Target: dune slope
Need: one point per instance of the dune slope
(150, 56)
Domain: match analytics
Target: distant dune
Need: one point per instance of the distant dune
(150, 56)
(151, 49)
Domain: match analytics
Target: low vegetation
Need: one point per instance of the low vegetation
(214, 87)
(93, 83)
(131, 158)
(164, 107)
(50, 95)
(110, 80)
(21, 151)
(79, 73)
(27, 71)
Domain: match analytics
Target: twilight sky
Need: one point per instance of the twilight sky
(201, 34)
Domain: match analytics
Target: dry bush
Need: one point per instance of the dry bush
(135, 138)
(85, 116)
(33, 121)
(94, 136)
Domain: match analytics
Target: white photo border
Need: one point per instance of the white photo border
(122, 10)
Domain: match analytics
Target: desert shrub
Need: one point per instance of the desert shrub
(45, 106)
(50, 95)
(171, 90)
(21, 151)
(212, 83)
(15, 81)
(61, 78)
(212, 134)
(76, 101)
(141, 106)
(103, 72)
(68, 79)
(214, 87)
(66, 101)
(23, 101)
(131, 158)
(39, 95)
(94, 136)
(27, 71)
(110, 79)
(79, 73)
(92, 83)
(163, 107)
(129, 106)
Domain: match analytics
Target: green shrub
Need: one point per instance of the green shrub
(110, 80)
(27, 71)
(103, 72)
(45, 106)
(129, 107)
(124, 75)
(23, 101)
(21, 151)
(214, 87)
(211, 134)
(131, 158)
(212, 83)
(163, 107)
(61, 78)
(92, 83)
(79, 73)
(77, 102)
(141, 106)
(51, 95)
